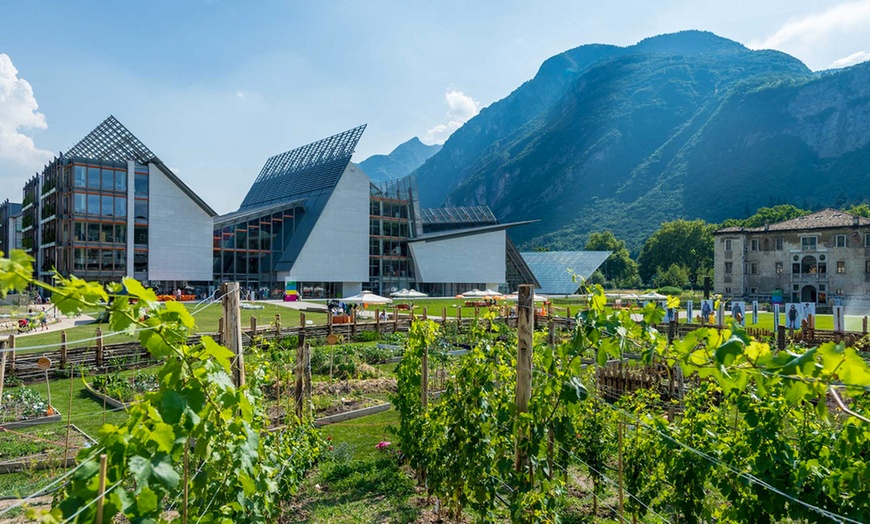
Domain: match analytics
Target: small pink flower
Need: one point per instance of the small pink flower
(382, 445)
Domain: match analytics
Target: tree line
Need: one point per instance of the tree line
(680, 252)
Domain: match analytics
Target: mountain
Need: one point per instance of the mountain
(405, 158)
(686, 125)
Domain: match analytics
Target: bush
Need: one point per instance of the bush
(670, 290)
(367, 336)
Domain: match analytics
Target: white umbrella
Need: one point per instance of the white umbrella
(367, 298)
(400, 294)
(538, 297)
(416, 294)
(630, 296)
(653, 296)
(408, 294)
(491, 293)
(474, 293)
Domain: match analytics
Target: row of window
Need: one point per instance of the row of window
(110, 206)
(109, 233)
(107, 179)
(797, 269)
(108, 260)
(808, 243)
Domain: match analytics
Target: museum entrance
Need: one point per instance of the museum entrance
(808, 294)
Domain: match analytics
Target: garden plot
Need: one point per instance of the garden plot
(23, 407)
(34, 449)
(119, 391)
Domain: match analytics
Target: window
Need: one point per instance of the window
(778, 267)
(866, 239)
(93, 232)
(108, 205)
(108, 233)
(808, 243)
(140, 209)
(753, 268)
(841, 267)
(727, 244)
(81, 180)
(728, 267)
(120, 234)
(78, 258)
(840, 241)
(779, 244)
(140, 235)
(79, 231)
(823, 268)
(121, 181)
(81, 203)
(93, 204)
(140, 262)
(727, 290)
(92, 260)
(120, 207)
(822, 287)
(753, 245)
(94, 178)
(108, 179)
(753, 290)
(867, 266)
(795, 287)
(839, 291)
(141, 188)
(796, 269)
(120, 260)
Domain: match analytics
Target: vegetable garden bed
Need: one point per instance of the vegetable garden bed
(24, 407)
(40, 448)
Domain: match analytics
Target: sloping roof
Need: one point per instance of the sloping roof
(457, 215)
(824, 219)
(247, 214)
(111, 141)
(453, 233)
(551, 268)
(311, 167)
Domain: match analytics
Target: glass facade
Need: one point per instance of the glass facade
(391, 224)
(247, 247)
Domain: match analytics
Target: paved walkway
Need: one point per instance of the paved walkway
(63, 322)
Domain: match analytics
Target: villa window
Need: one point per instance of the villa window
(778, 267)
(727, 244)
(779, 244)
(753, 245)
(808, 243)
(841, 241)
(728, 267)
(841, 267)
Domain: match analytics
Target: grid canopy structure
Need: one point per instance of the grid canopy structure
(302, 170)
(554, 269)
(112, 141)
(472, 215)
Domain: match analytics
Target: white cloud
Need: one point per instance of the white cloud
(460, 109)
(17, 113)
(846, 61)
(240, 94)
(812, 36)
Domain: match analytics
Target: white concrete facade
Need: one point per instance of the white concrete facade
(179, 232)
(476, 258)
(337, 250)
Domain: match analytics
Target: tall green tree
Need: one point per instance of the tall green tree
(861, 210)
(768, 215)
(619, 267)
(688, 243)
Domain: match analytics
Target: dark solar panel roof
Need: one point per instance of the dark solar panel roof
(112, 141)
(457, 215)
(551, 268)
(308, 168)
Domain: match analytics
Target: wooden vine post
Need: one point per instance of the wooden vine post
(621, 489)
(63, 349)
(525, 312)
(443, 315)
(424, 378)
(232, 329)
(99, 348)
(551, 332)
(10, 349)
(277, 325)
(101, 490)
(299, 374)
(306, 355)
(2, 369)
(253, 326)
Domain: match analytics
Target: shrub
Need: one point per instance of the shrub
(670, 290)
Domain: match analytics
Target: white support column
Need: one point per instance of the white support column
(131, 185)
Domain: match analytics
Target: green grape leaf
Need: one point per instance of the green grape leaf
(223, 355)
(15, 271)
(146, 501)
(163, 436)
(137, 290)
(180, 313)
(163, 471)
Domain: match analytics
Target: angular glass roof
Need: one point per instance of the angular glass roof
(457, 215)
(112, 141)
(308, 168)
(551, 268)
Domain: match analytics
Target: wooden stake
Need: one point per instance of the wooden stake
(63, 349)
(425, 314)
(10, 346)
(220, 335)
(329, 322)
(306, 349)
(395, 319)
(68, 419)
(621, 490)
(424, 378)
(2, 369)
(186, 481)
(525, 312)
(378, 320)
(232, 329)
(99, 349)
(443, 315)
(253, 326)
(298, 373)
(551, 332)
(101, 490)
(459, 313)
(277, 325)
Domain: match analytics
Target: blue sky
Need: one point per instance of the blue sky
(215, 87)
